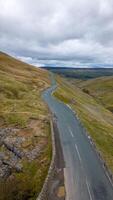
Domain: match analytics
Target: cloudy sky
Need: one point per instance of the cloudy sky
(75, 33)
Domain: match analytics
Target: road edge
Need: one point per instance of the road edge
(51, 171)
(108, 172)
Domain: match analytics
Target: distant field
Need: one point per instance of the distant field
(25, 148)
(96, 118)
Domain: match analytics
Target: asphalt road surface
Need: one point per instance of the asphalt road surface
(85, 178)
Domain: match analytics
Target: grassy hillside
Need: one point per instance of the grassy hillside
(25, 148)
(101, 89)
(20, 91)
(95, 117)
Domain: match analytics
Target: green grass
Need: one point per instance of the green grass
(95, 117)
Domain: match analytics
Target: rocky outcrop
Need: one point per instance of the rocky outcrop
(15, 146)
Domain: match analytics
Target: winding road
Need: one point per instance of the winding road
(85, 177)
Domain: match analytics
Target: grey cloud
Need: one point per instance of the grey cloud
(58, 32)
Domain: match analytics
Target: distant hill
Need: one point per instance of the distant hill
(81, 73)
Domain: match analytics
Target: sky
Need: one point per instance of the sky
(71, 33)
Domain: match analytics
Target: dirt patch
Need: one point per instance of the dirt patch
(38, 127)
(61, 192)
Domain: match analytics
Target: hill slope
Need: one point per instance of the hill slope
(101, 89)
(20, 87)
(25, 148)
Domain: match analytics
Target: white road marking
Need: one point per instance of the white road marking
(69, 106)
(71, 132)
(109, 179)
(78, 153)
(88, 188)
